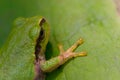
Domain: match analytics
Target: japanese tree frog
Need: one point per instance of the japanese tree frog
(22, 57)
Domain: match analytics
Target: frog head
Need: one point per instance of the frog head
(34, 30)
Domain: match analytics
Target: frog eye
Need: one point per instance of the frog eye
(38, 32)
(42, 34)
(42, 31)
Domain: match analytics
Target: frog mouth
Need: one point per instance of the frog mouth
(39, 74)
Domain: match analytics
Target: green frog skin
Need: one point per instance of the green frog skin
(22, 57)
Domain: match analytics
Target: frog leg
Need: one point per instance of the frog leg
(53, 63)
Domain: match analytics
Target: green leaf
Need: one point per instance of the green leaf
(96, 21)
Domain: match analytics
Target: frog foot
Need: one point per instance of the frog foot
(69, 53)
(53, 63)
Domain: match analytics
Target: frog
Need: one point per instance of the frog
(23, 55)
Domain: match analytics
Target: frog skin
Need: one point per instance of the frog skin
(22, 57)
